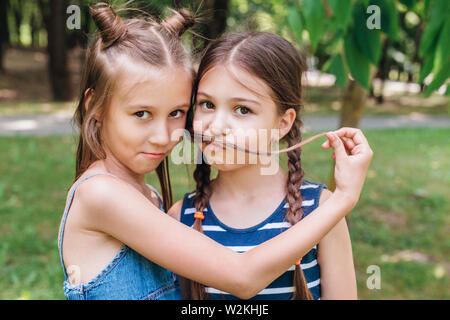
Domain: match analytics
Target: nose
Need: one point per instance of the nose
(160, 134)
(219, 126)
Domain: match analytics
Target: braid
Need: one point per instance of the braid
(295, 213)
(295, 177)
(191, 289)
(202, 176)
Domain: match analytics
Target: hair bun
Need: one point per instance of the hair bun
(179, 22)
(108, 22)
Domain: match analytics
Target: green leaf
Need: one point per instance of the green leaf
(295, 22)
(433, 28)
(447, 92)
(367, 40)
(357, 62)
(335, 45)
(426, 67)
(441, 61)
(365, 2)
(442, 47)
(408, 3)
(336, 66)
(341, 11)
(389, 17)
(314, 20)
(438, 79)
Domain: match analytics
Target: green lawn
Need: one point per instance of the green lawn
(401, 223)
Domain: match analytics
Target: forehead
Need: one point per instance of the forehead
(231, 79)
(153, 86)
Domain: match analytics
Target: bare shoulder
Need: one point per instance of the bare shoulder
(96, 189)
(99, 195)
(175, 210)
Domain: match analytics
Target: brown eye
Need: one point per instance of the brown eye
(206, 105)
(243, 110)
(142, 114)
(176, 114)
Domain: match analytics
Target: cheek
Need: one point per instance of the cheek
(131, 133)
(177, 129)
(125, 136)
(201, 120)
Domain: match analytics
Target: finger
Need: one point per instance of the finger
(356, 150)
(348, 143)
(353, 133)
(326, 144)
(338, 146)
(362, 150)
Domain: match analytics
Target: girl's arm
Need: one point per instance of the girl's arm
(337, 272)
(117, 209)
(111, 206)
(175, 210)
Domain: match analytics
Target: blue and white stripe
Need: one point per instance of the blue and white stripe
(243, 240)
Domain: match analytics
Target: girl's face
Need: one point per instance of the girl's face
(231, 112)
(137, 127)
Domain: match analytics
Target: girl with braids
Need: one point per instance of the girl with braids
(115, 241)
(253, 81)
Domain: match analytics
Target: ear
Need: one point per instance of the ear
(88, 94)
(286, 121)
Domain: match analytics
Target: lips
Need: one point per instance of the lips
(214, 146)
(153, 155)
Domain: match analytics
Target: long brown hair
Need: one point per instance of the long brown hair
(274, 60)
(153, 43)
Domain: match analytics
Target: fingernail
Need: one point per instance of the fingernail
(332, 136)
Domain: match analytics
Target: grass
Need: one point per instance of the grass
(401, 223)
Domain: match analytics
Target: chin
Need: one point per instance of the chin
(147, 167)
(227, 167)
(221, 165)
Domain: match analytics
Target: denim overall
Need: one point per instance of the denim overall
(129, 276)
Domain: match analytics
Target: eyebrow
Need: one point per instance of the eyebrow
(233, 99)
(138, 106)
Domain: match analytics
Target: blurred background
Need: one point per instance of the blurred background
(382, 66)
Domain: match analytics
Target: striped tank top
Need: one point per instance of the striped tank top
(242, 240)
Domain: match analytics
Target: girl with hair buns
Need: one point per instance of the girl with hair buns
(115, 240)
(250, 83)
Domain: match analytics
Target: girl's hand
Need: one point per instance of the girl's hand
(353, 155)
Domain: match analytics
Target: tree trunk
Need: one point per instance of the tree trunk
(217, 13)
(35, 28)
(219, 19)
(18, 15)
(4, 32)
(353, 103)
(383, 70)
(57, 50)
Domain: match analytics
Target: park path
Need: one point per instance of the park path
(60, 124)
